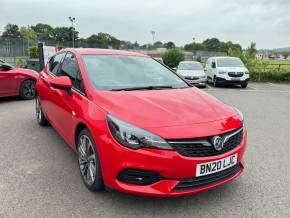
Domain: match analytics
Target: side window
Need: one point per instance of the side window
(70, 68)
(55, 62)
(213, 63)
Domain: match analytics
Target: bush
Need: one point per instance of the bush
(273, 76)
(20, 62)
(172, 57)
(33, 51)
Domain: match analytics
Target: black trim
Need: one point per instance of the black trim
(139, 177)
(202, 181)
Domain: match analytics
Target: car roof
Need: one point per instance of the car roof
(94, 51)
(222, 57)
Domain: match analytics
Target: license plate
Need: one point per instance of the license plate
(235, 79)
(216, 166)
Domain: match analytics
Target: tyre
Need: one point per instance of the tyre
(244, 85)
(215, 83)
(89, 162)
(41, 120)
(27, 90)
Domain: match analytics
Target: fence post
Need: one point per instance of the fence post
(41, 56)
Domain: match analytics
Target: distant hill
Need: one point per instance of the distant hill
(281, 49)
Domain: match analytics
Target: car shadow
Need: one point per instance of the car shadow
(224, 86)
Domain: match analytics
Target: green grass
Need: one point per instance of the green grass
(273, 65)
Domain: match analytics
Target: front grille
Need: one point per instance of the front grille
(138, 177)
(198, 182)
(202, 147)
(235, 74)
(192, 77)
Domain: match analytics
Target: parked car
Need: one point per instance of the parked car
(136, 126)
(192, 72)
(17, 81)
(227, 70)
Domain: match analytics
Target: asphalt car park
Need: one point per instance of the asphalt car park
(39, 175)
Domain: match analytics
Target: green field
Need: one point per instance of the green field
(276, 65)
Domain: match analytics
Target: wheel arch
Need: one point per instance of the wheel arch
(80, 126)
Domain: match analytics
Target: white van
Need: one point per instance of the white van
(192, 72)
(227, 70)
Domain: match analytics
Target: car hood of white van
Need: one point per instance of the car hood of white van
(191, 72)
(232, 69)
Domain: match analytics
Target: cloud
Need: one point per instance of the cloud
(264, 22)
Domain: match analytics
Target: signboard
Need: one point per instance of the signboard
(48, 51)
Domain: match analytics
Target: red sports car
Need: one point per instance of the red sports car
(137, 126)
(17, 81)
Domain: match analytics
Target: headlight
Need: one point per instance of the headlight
(247, 72)
(203, 77)
(134, 137)
(241, 115)
(222, 72)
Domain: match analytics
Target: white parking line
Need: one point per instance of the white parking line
(252, 90)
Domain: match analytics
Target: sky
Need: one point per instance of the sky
(266, 22)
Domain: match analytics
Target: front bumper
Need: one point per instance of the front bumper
(231, 81)
(197, 82)
(173, 167)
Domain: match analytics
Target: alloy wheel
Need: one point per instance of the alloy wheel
(29, 89)
(87, 159)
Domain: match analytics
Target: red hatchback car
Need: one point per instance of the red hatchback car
(17, 81)
(137, 126)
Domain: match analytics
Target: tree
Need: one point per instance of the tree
(169, 45)
(212, 44)
(158, 44)
(194, 47)
(43, 31)
(285, 54)
(29, 34)
(252, 51)
(12, 31)
(104, 40)
(63, 34)
(33, 51)
(172, 57)
(235, 52)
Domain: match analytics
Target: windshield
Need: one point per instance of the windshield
(229, 62)
(111, 72)
(190, 66)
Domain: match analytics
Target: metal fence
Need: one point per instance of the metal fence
(12, 47)
(18, 47)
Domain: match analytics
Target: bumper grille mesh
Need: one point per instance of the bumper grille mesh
(198, 182)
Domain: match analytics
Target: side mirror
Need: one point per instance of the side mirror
(5, 66)
(174, 68)
(205, 69)
(213, 65)
(62, 83)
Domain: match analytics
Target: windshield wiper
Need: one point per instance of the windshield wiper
(143, 87)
